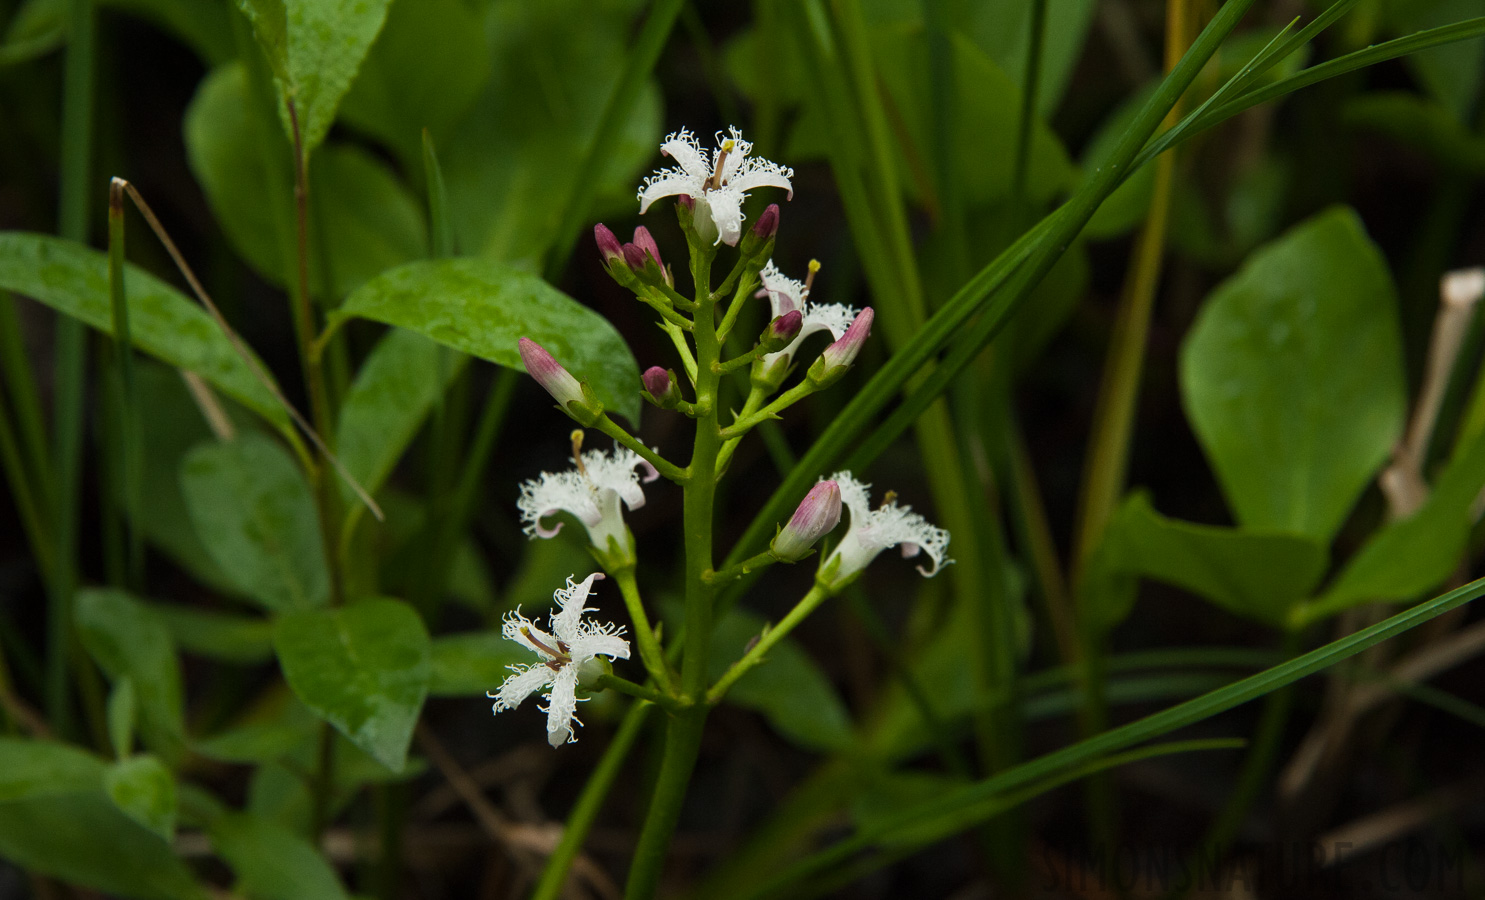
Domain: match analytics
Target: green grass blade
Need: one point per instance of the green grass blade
(1071, 758)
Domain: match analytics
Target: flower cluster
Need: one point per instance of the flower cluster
(711, 186)
(565, 657)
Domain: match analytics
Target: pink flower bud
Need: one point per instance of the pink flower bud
(634, 257)
(549, 373)
(608, 244)
(782, 331)
(768, 224)
(646, 242)
(661, 387)
(816, 516)
(843, 352)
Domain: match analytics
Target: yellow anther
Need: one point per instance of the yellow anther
(809, 278)
(577, 450)
(888, 498)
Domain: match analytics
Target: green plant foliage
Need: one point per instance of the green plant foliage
(471, 664)
(1292, 377)
(31, 769)
(217, 635)
(517, 155)
(127, 640)
(254, 513)
(272, 862)
(403, 88)
(364, 668)
(1250, 574)
(483, 308)
(82, 838)
(144, 790)
(314, 48)
(37, 28)
(73, 280)
(397, 385)
(1420, 122)
(1451, 74)
(1407, 557)
(204, 27)
(367, 218)
(788, 689)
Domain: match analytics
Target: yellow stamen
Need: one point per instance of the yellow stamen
(809, 279)
(888, 498)
(715, 181)
(548, 650)
(577, 450)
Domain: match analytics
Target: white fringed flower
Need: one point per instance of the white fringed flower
(718, 181)
(561, 656)
(591, 491)
(785, 295)
(875, 530)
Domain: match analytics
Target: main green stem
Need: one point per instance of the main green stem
(683, 729)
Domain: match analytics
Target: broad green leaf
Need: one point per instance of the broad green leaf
(127, 640)
(123, 715)
(271, 732)
(84, 839)
(144, 790)
(314, 48)
(272, 862)
(217, 635)
(395, 388)
(172, 428)
(515, 156)
(483, 308)
(788, 688)
(73, 279)
(470, 664)
(1003, 30)
(1407, 557)
(1451, 74)
(254, 513)
(31, 769)
(368, 219)
(1420, 122)
(1256, 576)
(1292, 377)
(403, 88)
(364, 668)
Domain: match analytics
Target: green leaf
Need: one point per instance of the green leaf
(272, 862)
(73, 279)
(517, 153)
(364, 668)
(30, 769)
(403, 88)
(122, 716)
(395, 388)
(144, 790)
(483, 308)
(205, 27)
(471, 664)
(1409, 556)
(1292, 377)
(1451, 74)
(314, 48)
(254, 513)
(218, 635)
(271, 733)
(127, 640)
(1126, 207)
(366, 216)
(1003, 30)
(788, 688)
(1420, 122)
(84, 839)
(174, 425)
(1256, 576)
(36, 29)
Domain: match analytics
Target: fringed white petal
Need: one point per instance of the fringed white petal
(561, 706)
(683, 147)
(518, 628)
(759, 173)
(725, 204)
(785, 295)
(567, 620)
(519, 685)
(667, 183)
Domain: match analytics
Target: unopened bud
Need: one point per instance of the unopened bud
(758, 242)
(646, 242)
(781, 332)
(569, 393)
(660, 385)
(608, 244)
(816, 516)
(838, 357)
